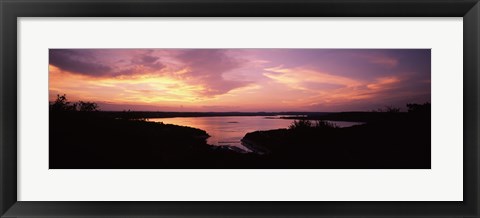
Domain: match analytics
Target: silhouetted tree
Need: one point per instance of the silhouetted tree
(62, 104)
(419, 108)
(388, 109)
(391, 109)
(86, 106)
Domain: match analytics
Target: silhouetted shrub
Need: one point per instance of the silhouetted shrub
(322, 124)
(307, 124)
(300, 124)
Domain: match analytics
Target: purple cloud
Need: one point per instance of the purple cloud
(78, 61)
(105, 62)
(147, 59)
(207, 67)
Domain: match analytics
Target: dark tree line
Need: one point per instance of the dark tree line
(62, 104)
(419, 108)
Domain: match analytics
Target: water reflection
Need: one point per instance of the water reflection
(229, 130)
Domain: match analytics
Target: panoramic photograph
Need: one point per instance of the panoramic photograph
(239, 108)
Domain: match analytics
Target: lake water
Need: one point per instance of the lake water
(229, 130)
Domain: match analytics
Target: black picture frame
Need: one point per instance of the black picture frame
(10, 10)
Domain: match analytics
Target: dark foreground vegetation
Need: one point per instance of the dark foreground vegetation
(85, 138)
(388, 140)
(81, 137)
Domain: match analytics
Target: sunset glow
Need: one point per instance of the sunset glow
(250, 80)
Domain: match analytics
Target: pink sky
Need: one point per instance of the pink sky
(241, 79)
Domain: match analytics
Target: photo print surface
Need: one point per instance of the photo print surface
(239, 108)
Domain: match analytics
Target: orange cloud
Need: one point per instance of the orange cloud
(132, 89)
(383, 83)
(298, 77)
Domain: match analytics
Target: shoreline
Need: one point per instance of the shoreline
(254, 147)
